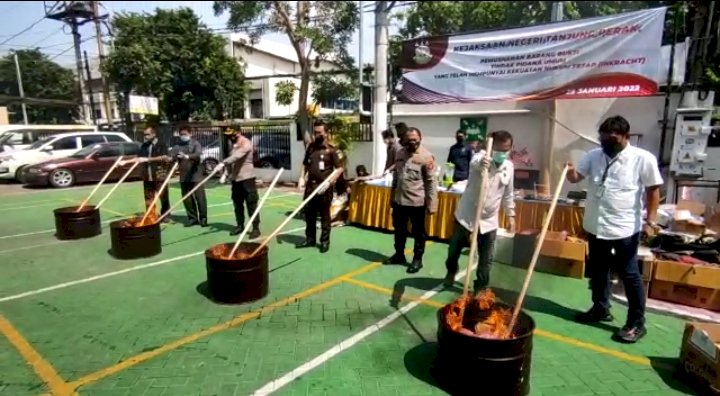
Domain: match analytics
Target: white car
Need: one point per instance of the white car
(52, 147)
(18, 137)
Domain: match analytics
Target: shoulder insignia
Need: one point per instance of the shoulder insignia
(431, 164)
(339, 154)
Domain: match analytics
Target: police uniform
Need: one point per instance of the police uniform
(321, 159)
(414, 193)
(244, 191)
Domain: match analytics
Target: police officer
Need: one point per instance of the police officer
(187, 152)
(414, 195)
(155, 156)
(239, 167)
(321, 159)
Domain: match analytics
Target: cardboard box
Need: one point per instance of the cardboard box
(693, 285)
(700, 356)
(557, 255)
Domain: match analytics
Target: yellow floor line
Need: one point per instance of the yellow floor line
(640, 360)
(42, 367)
(127, 363)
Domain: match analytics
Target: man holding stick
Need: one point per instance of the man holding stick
(617, 174)
(321, 159)
(500, 190)
(242, 175)
(155, 155)
(413, 196)
(187, 152)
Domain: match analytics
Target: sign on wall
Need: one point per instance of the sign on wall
(147, 105)
(475, 128)
(609, 56)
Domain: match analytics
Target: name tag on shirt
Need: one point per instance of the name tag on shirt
(321, 165)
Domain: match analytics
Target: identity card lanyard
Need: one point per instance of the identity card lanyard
(601, 187)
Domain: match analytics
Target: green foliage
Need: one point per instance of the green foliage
(341, 131)
(285, 92)
(317, 30)
(43, 79)
(328, 88)
(170, 54)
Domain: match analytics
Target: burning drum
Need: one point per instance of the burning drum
(70, 224)
(238, 279)
(130, 240)
(478, 351)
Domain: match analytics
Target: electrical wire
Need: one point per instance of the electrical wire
(23, 31)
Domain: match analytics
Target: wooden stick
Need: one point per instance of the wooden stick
(191, 192)
(536, 254)
(478, 215)
(151, 207)
(107, 174)
(122, 179)
(325, 183)
(255, 214)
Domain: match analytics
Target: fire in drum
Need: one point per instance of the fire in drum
(132, 238)
(475, 348)
(239, 279)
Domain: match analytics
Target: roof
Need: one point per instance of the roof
(271, 47)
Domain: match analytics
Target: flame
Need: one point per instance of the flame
(222, 251)
(478, 316)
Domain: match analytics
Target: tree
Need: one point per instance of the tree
(173, 56)
(42, 79)
(285, 92)
(317, 30)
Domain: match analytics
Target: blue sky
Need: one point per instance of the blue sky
(56, 41)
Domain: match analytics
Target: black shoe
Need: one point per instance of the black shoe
(449, 279)
(166, 219)
(396, 259)
(415, 266)
(305, 244)
(630, 334)
(594, 316)
(203, 223)
(255, 233)
(191, 223)
(236, 231)
(324, 247)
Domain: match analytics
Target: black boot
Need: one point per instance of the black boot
(255, 233)
(306, 244)
(236, 231)
(415, 266)
(397, 258)
(324, 247)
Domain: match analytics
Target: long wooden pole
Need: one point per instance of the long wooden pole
(256, 213)
(125, 176)
(191, 192)
(151, 207)
(536, 254)
(104, 178)
(324, 184)
(478, 214)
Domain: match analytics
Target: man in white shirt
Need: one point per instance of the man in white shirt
(617, 175)
(499, 191)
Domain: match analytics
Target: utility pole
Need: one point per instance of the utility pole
(84, 114)
(90, 90)
(20, 89)
(101, 54)
(379, 116)
(556, 15)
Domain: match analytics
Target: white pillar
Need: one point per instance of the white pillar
(380, 121)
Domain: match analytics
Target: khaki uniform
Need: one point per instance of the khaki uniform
(320, 161)
(241, 173)
(414, 193)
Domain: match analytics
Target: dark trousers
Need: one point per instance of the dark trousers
(623, 261)
(150, 188)
(245, 192)
(196, 204)
(319, 205)
(400, 217)
(459, 240)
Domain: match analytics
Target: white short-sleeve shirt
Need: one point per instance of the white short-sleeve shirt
(614, 204)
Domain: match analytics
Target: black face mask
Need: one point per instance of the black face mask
(610, 148)
(460, 140)
(319, 139)
(412, 146)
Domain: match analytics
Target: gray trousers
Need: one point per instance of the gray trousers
(459, 240)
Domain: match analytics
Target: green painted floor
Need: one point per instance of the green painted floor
(150, 330)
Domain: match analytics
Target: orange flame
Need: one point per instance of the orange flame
(478, 316)
(222, 251)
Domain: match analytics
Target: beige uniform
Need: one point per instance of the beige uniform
(240, 161)
(413, 182)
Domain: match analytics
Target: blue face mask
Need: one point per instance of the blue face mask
(185, 138)
(499, 157)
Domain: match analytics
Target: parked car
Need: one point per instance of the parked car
(266, 155)
(53, 147)
(88, 165)
(18, 137)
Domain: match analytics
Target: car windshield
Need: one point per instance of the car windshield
(5, 137)
(85, 151)
(40, 143)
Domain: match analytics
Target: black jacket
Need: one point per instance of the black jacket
(154, 171)
(191, 169)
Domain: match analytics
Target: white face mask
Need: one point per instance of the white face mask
(185, 138)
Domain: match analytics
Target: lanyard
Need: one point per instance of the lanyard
(607, 167)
